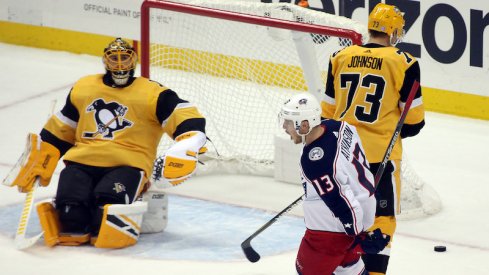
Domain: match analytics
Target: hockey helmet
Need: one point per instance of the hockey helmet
(300, 107)
(387, 19)
(120, 60)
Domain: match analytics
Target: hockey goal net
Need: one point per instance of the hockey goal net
(238, 62)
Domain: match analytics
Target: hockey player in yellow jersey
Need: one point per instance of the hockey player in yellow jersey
(367, 86)
(108, 132)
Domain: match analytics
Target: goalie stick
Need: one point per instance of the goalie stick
(251, 253)
(20, 240)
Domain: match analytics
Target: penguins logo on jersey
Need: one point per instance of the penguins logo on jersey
(316, 153)
(109, 118)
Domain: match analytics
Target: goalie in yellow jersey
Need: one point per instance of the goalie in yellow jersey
(107, 133)
(367, 86)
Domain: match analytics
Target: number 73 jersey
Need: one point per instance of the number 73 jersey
(368, 86)
(339, 187)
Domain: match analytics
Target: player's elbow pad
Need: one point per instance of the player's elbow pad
(180, 160)
(38, 160)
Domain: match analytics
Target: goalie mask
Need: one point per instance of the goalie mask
(387, 19)
(300, 107)
(120, 60)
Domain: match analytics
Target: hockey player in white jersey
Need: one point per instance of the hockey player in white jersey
(339, 202)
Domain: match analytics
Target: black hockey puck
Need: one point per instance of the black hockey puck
(440, 248)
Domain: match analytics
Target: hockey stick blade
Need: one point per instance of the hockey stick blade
(22, 243)
(249, 252)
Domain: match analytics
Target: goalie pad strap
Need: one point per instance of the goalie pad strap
(121, 225)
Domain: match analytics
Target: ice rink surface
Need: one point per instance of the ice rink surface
(450, 154)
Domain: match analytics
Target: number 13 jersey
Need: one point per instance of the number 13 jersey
(339, 189)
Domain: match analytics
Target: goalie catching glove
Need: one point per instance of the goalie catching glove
(38, 160)
(180, 160)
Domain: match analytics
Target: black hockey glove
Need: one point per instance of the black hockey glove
(373, 242)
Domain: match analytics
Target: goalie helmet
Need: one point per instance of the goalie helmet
(120, 60)
(300, 107)
(387, 19)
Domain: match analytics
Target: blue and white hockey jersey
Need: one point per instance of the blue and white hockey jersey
(338, 185)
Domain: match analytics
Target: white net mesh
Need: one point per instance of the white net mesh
(418, 199)
(239, 74)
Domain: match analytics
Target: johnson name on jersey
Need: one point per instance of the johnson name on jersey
(337, 181)
(367, 86)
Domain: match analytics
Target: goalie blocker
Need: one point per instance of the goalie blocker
(120, 227)
(39, 159)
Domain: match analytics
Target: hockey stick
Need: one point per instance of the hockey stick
(248, 250)
(20, 240)
(397, 132)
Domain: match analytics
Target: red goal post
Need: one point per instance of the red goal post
(147, 5)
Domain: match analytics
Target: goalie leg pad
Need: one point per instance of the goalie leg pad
(156, 218)
(48, 217)
(121, 225)
(38, 160)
